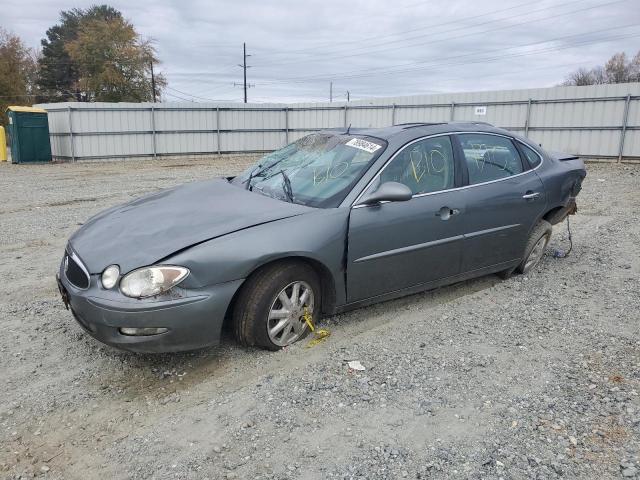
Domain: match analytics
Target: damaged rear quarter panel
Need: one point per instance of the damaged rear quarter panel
(318, 235)
(559, 178)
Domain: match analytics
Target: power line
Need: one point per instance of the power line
(313, 50)
(489, 75)
(440, 40)
(190, 94)
(376, 71)
(179, 97)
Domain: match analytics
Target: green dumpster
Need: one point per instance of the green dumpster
(29, 134)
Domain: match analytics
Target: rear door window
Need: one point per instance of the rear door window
(489, 157)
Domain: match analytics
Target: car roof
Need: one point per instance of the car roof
(419, 129)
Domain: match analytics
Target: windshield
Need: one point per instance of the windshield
(318, 170)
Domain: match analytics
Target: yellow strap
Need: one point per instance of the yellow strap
(308, 319)
(319, 335)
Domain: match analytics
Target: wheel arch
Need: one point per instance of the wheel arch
(556, 214)
(327, 282)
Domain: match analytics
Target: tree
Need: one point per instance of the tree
(58, 76)
(616, 70)
(112, 62)
(17, 73)
(64, 77)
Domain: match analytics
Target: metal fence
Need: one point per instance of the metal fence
(597, 122)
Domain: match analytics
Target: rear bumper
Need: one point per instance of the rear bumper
(193, 317)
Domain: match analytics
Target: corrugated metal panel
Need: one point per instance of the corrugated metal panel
(112, 145)
(575, 119)
(177, 143)
(430, 114)
(248, 141)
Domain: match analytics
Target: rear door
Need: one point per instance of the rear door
(503, 201)
(398, 245)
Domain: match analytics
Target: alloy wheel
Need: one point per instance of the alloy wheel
(286, 323)
(537, 253)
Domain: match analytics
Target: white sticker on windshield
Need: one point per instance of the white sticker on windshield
(369, 147)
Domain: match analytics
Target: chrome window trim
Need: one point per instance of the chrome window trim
(76, 259)
(377, 175)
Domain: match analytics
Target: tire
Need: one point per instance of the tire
(536, 245)
(261, 298)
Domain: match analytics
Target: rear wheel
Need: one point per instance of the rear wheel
(270, 310)
(534, 251)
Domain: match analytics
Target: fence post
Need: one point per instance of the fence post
(625, 119)
(153, 130)
(73, 150)
(453, 106)
(218, 128)
(286, 125)
(393, 114)
(345, 116)
(526, 121)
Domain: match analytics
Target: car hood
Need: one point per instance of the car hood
(152, 227)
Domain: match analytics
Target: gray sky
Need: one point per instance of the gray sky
(370, 48)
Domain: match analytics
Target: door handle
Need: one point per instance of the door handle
(445, 213)
(529, 195)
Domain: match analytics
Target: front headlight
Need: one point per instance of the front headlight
(110, 276)
(150, 281)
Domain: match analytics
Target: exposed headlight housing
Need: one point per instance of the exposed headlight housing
(150, 281)
(110, 276)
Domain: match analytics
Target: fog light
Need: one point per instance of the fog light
(143, 331)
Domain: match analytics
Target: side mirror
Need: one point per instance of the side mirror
(388, 192)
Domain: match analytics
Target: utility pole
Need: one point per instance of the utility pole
(348, 95)
(153, 83)
(330, 92)
(244, 67)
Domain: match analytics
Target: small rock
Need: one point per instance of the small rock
(629, 472)
(356, 365)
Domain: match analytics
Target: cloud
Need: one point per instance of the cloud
(369, 48)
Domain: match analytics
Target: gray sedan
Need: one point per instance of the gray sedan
(336, 220)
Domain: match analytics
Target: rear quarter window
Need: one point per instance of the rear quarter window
(531, 155)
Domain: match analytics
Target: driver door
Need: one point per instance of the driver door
(398, 245)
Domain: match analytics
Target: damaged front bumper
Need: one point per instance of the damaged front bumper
(192, 317)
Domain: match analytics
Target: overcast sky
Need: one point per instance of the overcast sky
(370, 48)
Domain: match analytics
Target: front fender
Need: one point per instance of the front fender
(319, 235)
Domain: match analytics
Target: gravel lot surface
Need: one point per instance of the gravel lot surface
(534, 377)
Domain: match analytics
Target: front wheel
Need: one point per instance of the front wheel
(270, 310)
(536, 245)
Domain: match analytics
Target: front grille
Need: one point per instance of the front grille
(75, 272)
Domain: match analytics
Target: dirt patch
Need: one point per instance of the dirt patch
(534, 377)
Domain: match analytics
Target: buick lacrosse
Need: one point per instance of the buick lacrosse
(336, 220)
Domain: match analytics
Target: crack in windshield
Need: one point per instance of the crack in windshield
(317, 170)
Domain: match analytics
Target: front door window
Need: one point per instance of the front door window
(425, 166)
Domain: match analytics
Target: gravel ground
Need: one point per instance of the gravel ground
(534, 377)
